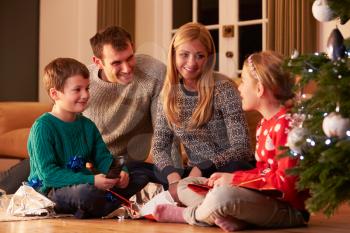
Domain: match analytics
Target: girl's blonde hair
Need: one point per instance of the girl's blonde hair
(267, 67)
(203, 111)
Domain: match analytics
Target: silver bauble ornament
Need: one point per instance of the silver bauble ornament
(334, 125)
(295, 138)
(322, 12)
(335, 45)
(295, 54)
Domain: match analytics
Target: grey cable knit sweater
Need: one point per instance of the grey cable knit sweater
(223, 139)
(124, 113)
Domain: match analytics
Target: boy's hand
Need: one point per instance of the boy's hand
(123, 181)
(101, 182)
(220, 179)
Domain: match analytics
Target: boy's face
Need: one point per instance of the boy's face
(75, 95)
(117, 66)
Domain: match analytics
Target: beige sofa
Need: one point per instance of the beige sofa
(16, 118)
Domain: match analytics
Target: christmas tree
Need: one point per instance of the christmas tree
(322, 136)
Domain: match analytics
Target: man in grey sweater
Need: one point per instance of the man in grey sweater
(124, 90)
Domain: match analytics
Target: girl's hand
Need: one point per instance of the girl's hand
(220, 179)
(101, 182)
(195, 172)
(123, 181)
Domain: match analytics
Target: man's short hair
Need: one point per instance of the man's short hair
(59, 70)
(116, 36)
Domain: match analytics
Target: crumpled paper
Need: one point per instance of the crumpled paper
(28, 202)
(137, 202)
(148, 209)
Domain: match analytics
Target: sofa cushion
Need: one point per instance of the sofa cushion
(14, 143)
(17, 115)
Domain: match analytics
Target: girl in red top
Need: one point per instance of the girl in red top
(265, 196)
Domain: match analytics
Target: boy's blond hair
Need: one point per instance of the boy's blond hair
(59, 70)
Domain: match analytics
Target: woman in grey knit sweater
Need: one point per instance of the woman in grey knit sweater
(202, 109)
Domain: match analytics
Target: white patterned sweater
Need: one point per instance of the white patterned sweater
(222, 140)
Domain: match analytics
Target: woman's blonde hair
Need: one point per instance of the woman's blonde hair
(267, 67)
(203, 111)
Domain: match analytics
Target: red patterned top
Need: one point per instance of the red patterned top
(270, 172)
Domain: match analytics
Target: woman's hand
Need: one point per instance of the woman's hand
(220, 179)
(173, 180)
(123, 181)
(101, 182)
(195, 172)
(173, 177)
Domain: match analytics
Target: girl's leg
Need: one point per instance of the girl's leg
(187, 196)
(245, 205)
(174, 214)
(170, 213)
(230, 224)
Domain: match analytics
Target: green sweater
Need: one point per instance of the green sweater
(51, 145)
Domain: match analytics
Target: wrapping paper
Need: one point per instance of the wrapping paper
(28, 202)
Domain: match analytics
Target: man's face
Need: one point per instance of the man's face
(117, 66)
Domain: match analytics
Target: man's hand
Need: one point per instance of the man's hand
(123, 181)
(220, 179)
(101, 182)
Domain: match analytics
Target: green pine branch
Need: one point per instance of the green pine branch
(341, 9)
(325, 167)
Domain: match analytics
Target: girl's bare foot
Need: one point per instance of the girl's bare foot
(169, 213)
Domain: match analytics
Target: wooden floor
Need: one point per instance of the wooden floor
(340, 223)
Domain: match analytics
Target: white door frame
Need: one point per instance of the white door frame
(228, 15)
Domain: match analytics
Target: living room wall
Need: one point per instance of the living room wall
(66, 25)
(19, 24)
(65, 29)
(326, 28)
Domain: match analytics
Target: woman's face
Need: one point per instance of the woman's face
(190, 59)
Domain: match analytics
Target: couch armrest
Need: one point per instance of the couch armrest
(13, 144)
(17, 115)
(16, 118)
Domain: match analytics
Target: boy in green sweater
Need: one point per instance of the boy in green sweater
(62, 141)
